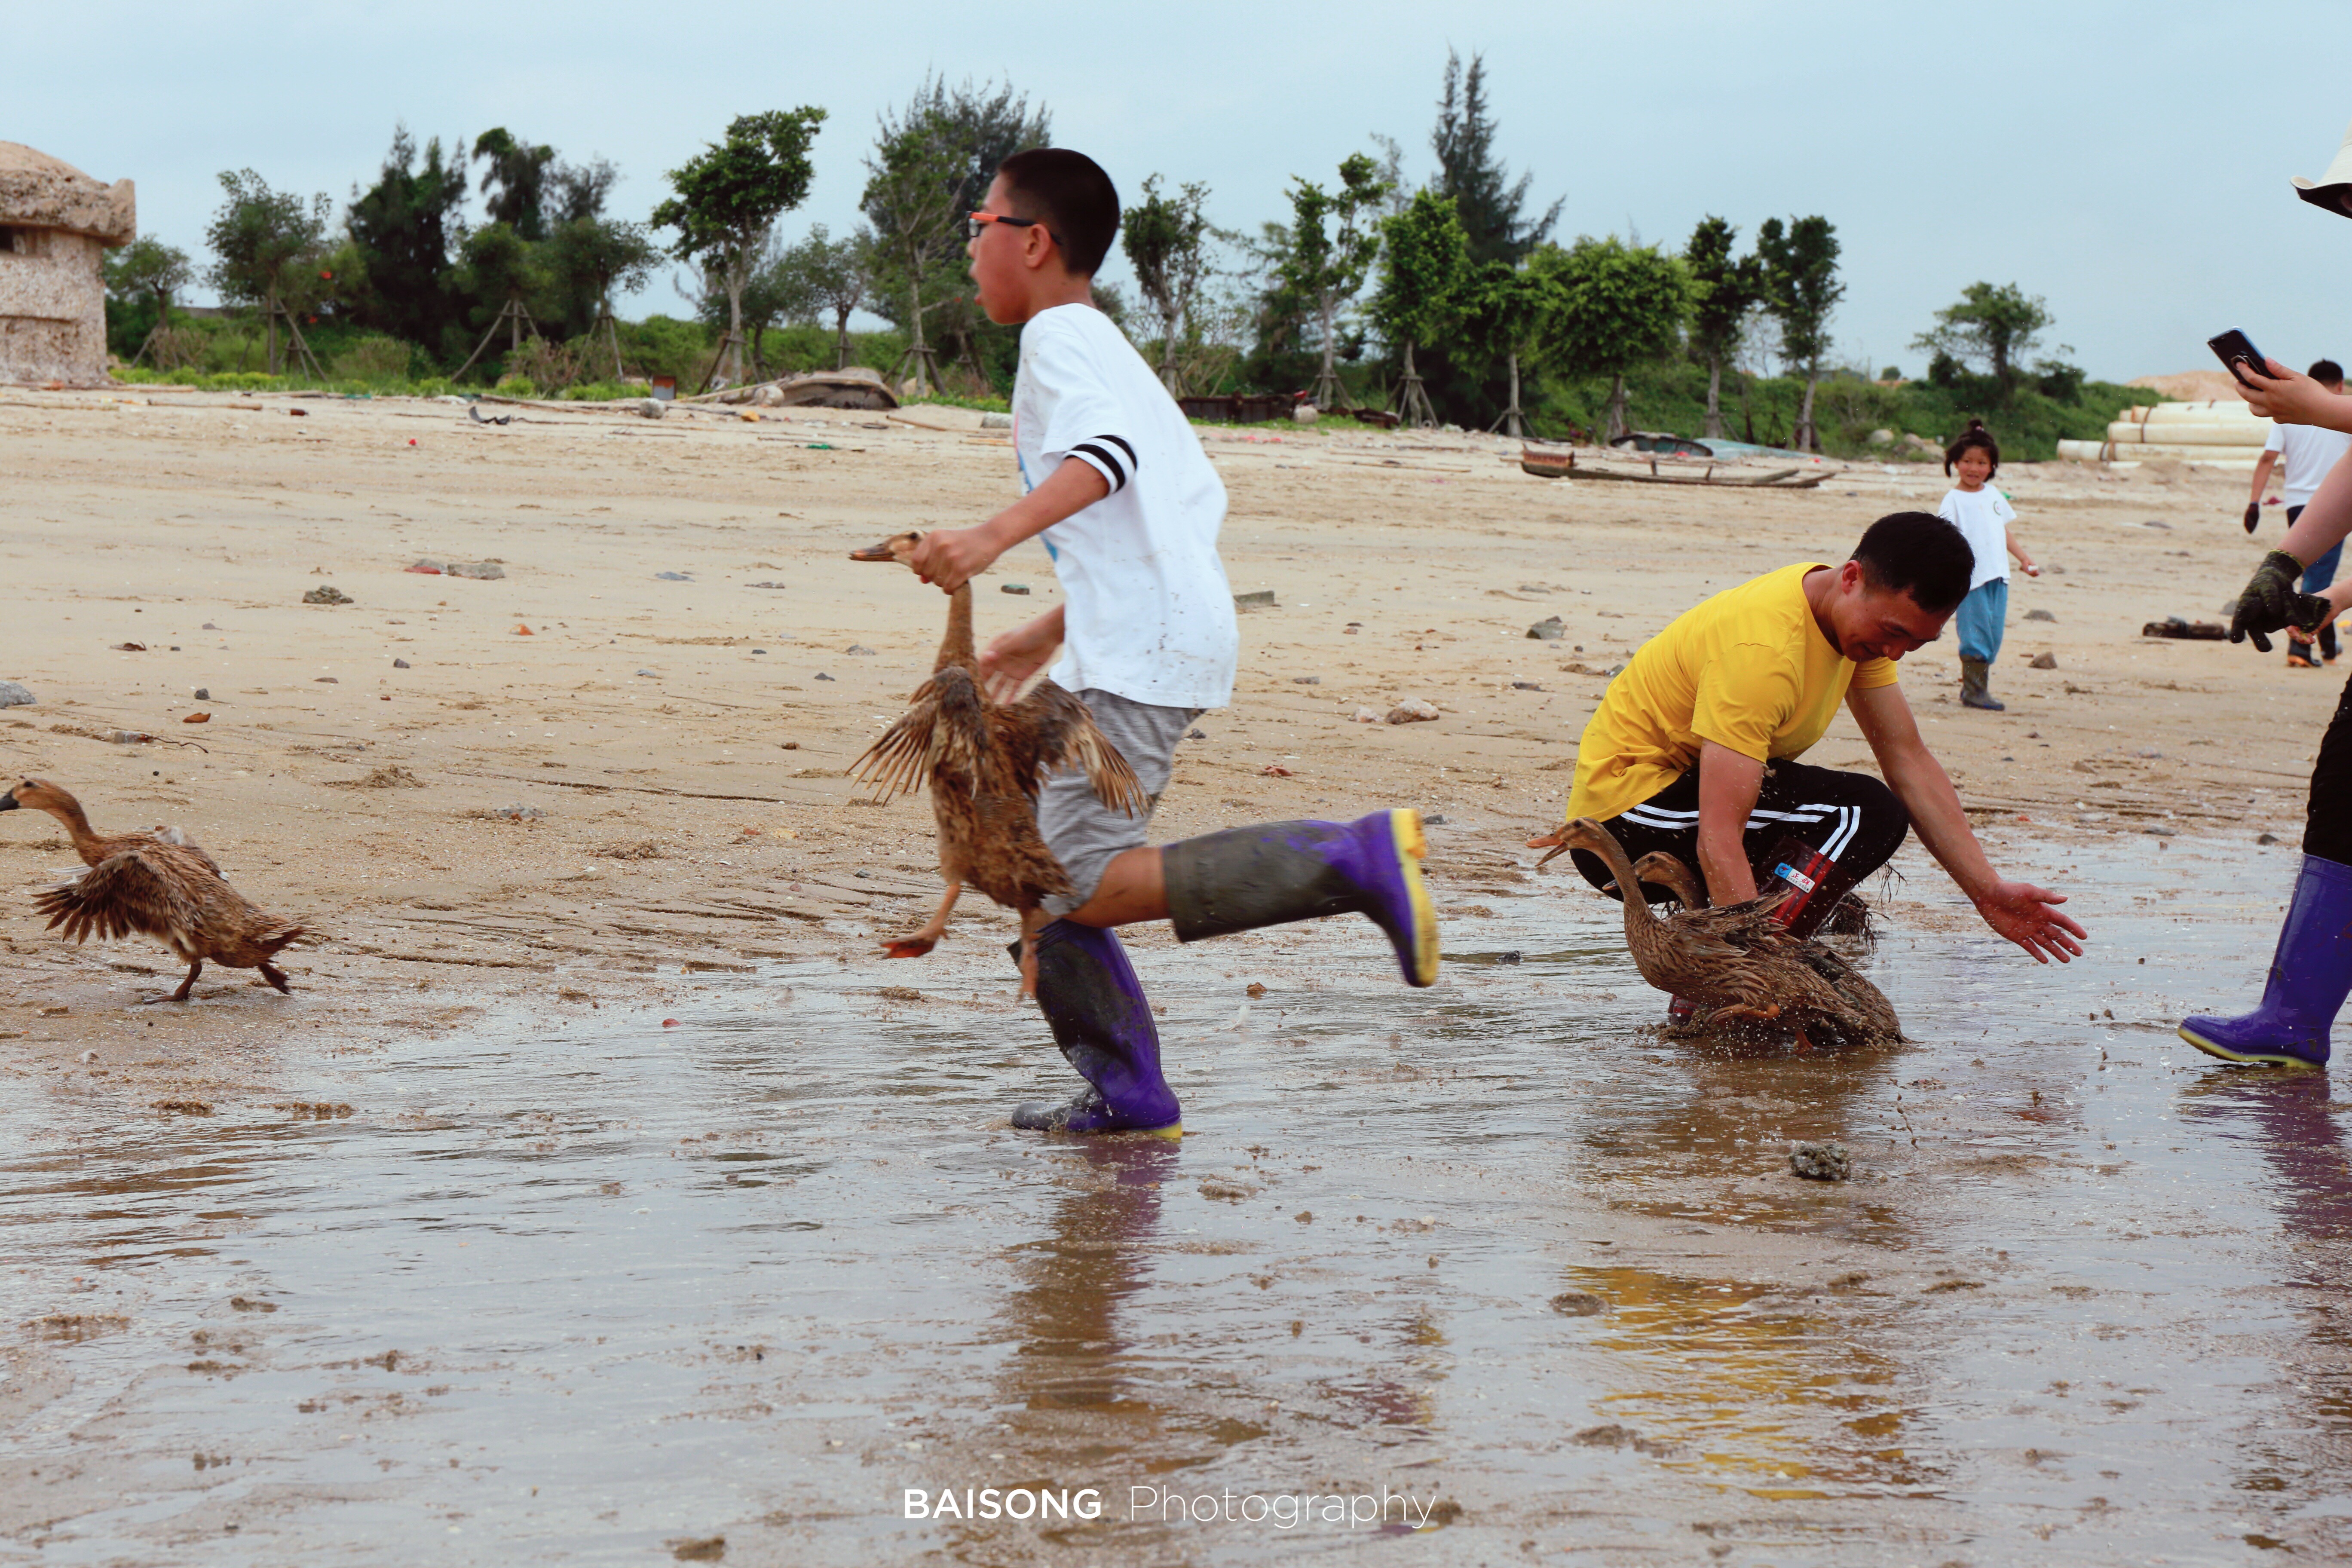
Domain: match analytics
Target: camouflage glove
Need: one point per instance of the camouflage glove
(2274, 601)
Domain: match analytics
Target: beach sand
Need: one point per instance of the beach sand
(685, 742)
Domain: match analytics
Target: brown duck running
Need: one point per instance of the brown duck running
(159, 885)
(1737, 961)
(983, 761)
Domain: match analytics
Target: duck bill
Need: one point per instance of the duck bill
(9, 801)
(873, 552)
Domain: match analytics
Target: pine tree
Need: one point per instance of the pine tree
(1470, 171)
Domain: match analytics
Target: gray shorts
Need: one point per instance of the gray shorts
(1084, 834)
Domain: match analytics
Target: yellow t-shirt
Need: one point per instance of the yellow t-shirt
(1748, 668)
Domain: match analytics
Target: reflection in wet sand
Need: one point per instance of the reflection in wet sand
(2293, 1122)
(756, 1275)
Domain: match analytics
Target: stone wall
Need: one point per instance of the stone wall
(55, 222)
(52, 307)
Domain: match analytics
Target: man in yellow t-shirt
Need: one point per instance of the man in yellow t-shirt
(1693, 747)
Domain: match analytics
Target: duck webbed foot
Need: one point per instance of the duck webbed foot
(194, 969)
(916, 944)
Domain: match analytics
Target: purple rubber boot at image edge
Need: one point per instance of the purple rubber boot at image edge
(1278, 872)
(1096, 1008)
(2311, 972)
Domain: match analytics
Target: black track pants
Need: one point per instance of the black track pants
(1852, 818)
(2327, 820)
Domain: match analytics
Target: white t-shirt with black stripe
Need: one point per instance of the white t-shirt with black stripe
(1149, 613)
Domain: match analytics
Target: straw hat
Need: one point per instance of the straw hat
(2332, 189)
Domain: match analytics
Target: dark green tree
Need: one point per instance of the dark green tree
(1166, 239)
(1616, 306)
(834, 276)
(498, 268)
(1993, 327)
(406, 228)
(265, 245)
(515, 185)
(1425, 288)
(1511, 305)
(1333, 241)
(147, 272)
(577, 190)
(931, 164)
(1491, 203)
(727, 198)
(1724, 290)
(589, 260)
(1801, 290)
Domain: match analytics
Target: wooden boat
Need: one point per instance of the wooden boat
(1564, 466)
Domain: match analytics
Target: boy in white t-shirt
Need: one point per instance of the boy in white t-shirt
(2310, 450)
(1130, 506)
(1982, 514)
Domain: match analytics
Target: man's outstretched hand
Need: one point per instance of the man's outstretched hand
(2028, 916)
(2274, 601)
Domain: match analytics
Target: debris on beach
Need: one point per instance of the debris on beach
(426, 566)
(1261, 599)
(860, 649)
(510, 813)
(1821, 1161)
(197, 718)
(1549, 629)
(326, 594)
(1014, 588)
(400, 664)
(2195, 631)
(674, 576)
(15, 694)
(130, 647)
(1579, 1304)
(2039, 615)
(2043, 661)
(480, 571)
(1412, 711)
(1367, 716)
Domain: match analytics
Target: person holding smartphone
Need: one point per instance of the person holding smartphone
(2308, 452)
(2311, 969)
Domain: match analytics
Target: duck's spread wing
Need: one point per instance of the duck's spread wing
(944, 725)
(178, 838)
(143, 891)
(1062, 731)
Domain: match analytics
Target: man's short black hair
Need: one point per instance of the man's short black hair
(2326, 370)
(1070, 193)
(1919, 554)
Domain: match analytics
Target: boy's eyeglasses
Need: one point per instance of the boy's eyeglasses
(977, 221)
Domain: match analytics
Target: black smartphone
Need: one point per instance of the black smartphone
(2234, 348)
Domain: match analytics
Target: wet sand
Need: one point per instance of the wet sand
(2080, 1303)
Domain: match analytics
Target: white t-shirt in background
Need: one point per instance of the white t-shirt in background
(1984, 518)
(2310, 452)
(1148, 613)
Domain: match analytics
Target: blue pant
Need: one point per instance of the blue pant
(2317, 578)
(1983, 617)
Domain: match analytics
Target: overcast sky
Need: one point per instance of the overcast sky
(2127, 161)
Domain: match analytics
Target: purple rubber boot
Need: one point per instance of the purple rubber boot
(1245, 877)
(2310, 975)
(1094, 1006)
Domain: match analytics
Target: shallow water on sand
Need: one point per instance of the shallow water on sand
(603, 1290)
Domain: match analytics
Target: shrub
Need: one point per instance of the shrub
(374, 358)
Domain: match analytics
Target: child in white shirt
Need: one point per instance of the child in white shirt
(1129, 507)
(1983, 515)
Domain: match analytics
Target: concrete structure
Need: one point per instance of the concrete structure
(55, 222)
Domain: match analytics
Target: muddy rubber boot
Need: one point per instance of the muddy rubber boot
(1976, 687)
(1094, 1006)
(1245, 877)
(2310, 975)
